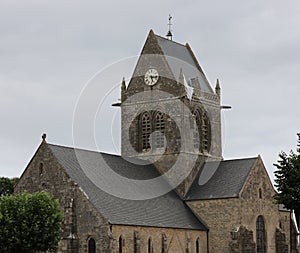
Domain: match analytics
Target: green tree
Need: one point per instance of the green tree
(287, 180)
(7, 185)
(29, 223)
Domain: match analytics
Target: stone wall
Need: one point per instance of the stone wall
(175, 240)
(223, 216)
(281, 245)
(81, 220)
(242, 241)
(257, 199)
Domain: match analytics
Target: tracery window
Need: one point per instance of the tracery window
(91, 245)
(146, 130)
(261, 235)
(152, 123)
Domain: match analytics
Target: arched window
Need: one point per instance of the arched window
(196, 136)
(150, 246)
(146, 130)
(205, 132)
(164, 243)
(91, 245)
(159, 126)
(198, 245)
(121, 244)
(261, 235)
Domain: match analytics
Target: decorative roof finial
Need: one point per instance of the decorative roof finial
(169, 34)
(218, 89)
(123, 90)
(44, 137)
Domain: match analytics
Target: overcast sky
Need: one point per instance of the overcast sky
(50, 49)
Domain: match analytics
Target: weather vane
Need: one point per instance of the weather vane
(169, 34)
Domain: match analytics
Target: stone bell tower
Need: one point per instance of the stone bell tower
(170, 115)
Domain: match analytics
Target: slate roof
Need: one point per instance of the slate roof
(223, 179)
(190, 67)
(164, 211)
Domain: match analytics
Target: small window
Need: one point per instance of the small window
(41, 169)
(164, 243)
(150, 246)
(121, 244)
(92, 245)
(198, 245)
(136, 243)
(260, 193)
(205, 134)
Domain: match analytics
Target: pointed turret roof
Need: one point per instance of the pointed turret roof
(181, 56)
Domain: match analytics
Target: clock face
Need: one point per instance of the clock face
(151, 77)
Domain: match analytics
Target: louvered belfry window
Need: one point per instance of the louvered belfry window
(196, 135)
(205, 124)
(146, 130)
(159, 139)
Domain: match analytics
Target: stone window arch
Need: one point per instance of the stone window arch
(159, 126)
(145, 131)
(198, 245)
(150, 245)
(261, 238)
(91, 245)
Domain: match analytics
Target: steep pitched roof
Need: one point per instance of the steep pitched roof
(226, 179)
(187, 62)
(164, 211)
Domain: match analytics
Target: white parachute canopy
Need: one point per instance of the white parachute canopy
(188, 89)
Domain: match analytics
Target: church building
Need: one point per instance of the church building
(170, 190)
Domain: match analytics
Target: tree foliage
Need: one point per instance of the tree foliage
(7, 185)
(287, 180)
(29, 223)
